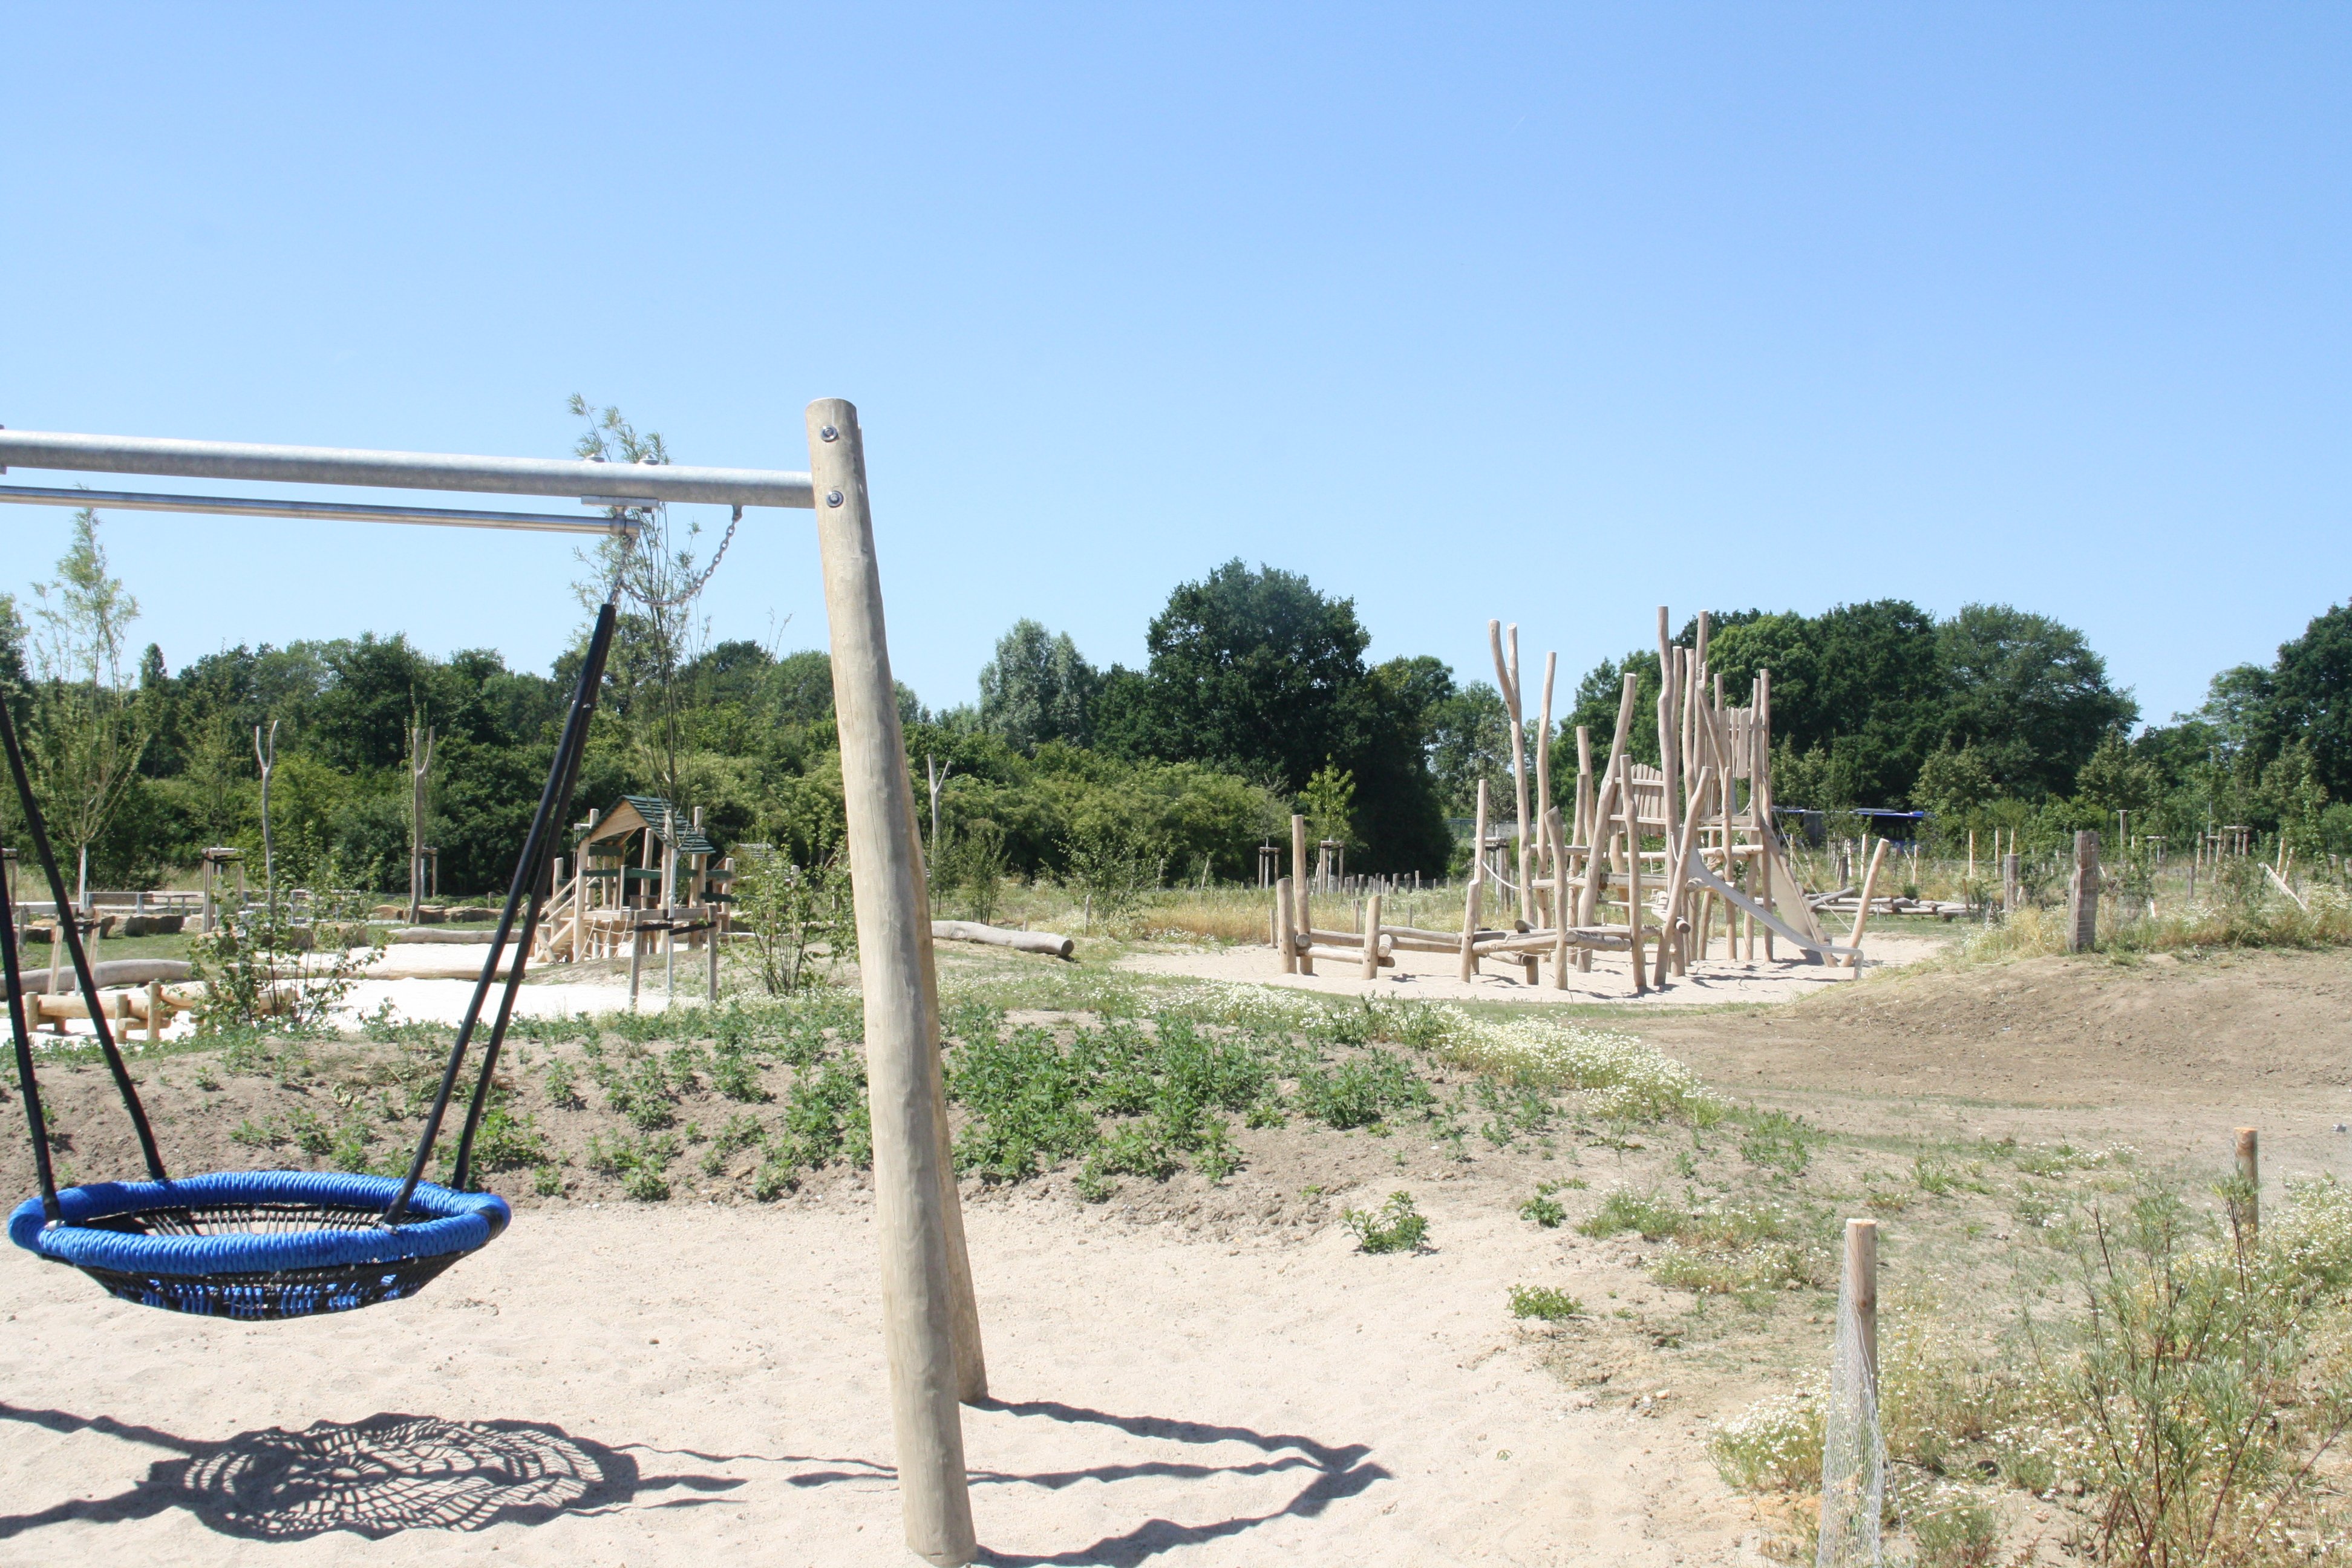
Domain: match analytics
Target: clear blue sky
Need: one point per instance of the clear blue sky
(1550, 314)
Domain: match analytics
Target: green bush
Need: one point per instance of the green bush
(1395, 1226)
(1544, 1303)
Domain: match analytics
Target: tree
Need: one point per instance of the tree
(2310, 699)
(1257, 672)
(87, 725)
(1038, 687)
(2031, 694)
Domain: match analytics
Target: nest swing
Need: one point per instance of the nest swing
(264, 1245)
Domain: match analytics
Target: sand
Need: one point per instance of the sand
(682, 1385)
(1435, 977)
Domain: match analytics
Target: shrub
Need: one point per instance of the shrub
(1774, 1445)
(1395, 1226)
(1544, 1303)
(1654, 1216)
(1544, 1210)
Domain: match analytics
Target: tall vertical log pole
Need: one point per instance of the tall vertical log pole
(911, 1189)
(1302, 915)
(2082, 895)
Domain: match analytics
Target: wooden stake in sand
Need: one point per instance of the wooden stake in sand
(1862, 915)
(1373, 937)
(2249, 1173)
(1302, 915)
(2082, 895)
(912, 1190)
(1286, 925)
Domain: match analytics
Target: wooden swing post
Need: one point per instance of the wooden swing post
(913, 1188)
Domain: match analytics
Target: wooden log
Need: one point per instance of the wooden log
(1372, 938)
(1670, 763)
(1349, 956)
(2083, 894)
(1286, 925)
(1469, 948)
(1760, 793)
(1559, 898)
(918, 1305)
(1862, 921)
(1301, 917)
(158, 1013)
(1045, 942)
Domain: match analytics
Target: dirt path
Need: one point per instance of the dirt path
(2169, 1054)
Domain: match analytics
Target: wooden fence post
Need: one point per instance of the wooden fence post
(885, 868)
(2250, 1171)
(1301, 912)
(1373, 937)
(2009, 894)
(1286, 928)
(1862, 1276)
(2082, 895)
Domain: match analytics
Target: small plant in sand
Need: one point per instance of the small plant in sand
(1543, 1208)
(1395, 1226)
(1544, 1303)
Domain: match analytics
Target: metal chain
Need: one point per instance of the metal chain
(697, 586)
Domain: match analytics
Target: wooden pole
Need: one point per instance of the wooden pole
(2082, 895)
(1471, 898)
(2008, 879)
(1670, 763)
(1302, 915)
(1373, 937)
(971, 1364)
(1286, 926)
(1759, 793)
(2250, 1172)
(156, 1011)
(885, 868)
(1559, 906)
(1861, 915)
(1543, 781)
(1862, 1287)
(1632, 868)
(1507, 677)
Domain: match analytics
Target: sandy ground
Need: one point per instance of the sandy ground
(1435, 977)
(655, 1386)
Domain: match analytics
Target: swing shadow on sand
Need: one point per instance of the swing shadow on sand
(374, 1478)
(391, 1473)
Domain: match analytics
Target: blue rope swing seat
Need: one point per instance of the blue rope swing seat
(260, 1244)
(265, 1244)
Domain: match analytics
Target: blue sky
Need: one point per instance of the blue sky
(1553, 314)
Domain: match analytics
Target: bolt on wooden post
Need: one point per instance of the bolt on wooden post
(2082, 895)
(911, 1188)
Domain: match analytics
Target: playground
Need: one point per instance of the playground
(1368, 1241)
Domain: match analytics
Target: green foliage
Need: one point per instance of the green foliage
(1395, 1226)
(1650, 1215)
(1258, 671)
(1545, 1303)
(1037, 688)
(827, 1117)
(790, 907)
(1543, 1209)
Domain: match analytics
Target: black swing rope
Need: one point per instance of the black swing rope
(554, 806)
(262, 1245)
(68, 930)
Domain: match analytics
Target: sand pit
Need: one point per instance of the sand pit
(1435, 977)
(697, 1385)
